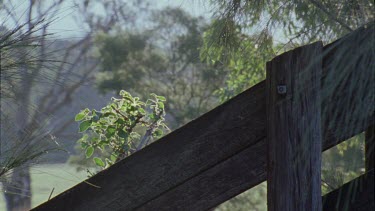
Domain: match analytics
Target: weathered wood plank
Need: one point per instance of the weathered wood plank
(230, 181)
(217, 184)
(348, 82)
(356, 195)
(177, 157)
(185, 155)
(294, 137)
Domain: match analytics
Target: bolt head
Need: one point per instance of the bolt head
(281, 89)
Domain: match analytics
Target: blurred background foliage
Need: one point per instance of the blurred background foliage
(196, 61)
(165, 60)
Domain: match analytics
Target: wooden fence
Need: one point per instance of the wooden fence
(225, 151)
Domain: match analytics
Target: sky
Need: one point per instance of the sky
(66, 23)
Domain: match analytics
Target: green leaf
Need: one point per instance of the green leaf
(120, 103)
(109, 114)
(84, 144)
(120, 121)
(94, 139)
(123, 134)
(161, 98)
(142, 111)
(111, 130)
(113, 158)
(152, 116)
(99, 162)
(102, 145)
(79, 116)
(89, 151)
(161, 105)
(125, 94)
(84, 125)
(158, 133)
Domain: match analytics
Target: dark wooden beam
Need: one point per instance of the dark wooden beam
(348, 82)
(174, 159)
(200, 153)
(356, 195)
(216, 185)
(248, 168)
(294, 137)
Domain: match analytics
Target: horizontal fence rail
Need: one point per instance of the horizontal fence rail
(222, 153)
(357, 194)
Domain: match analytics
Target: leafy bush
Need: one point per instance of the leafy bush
(115, 131)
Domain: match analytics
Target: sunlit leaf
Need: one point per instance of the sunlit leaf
(84, 125)
(89, 151)
(99, 162)
(79, 116)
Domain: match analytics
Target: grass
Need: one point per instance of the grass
(48, 176)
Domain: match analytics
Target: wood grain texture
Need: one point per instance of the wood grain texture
(216, 185)
(196, 193)
(356, 195)
(294, 137)
(348, 82)
(195, 155)
(177, 157)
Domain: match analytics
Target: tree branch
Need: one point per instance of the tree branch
(330, 14)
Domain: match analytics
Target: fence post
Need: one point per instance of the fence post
(294, 130)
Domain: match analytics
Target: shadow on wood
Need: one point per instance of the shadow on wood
(356, 195)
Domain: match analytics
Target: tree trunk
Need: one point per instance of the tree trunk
(18, 191)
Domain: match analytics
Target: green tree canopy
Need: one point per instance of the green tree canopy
(164, 60)
(244, 29)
